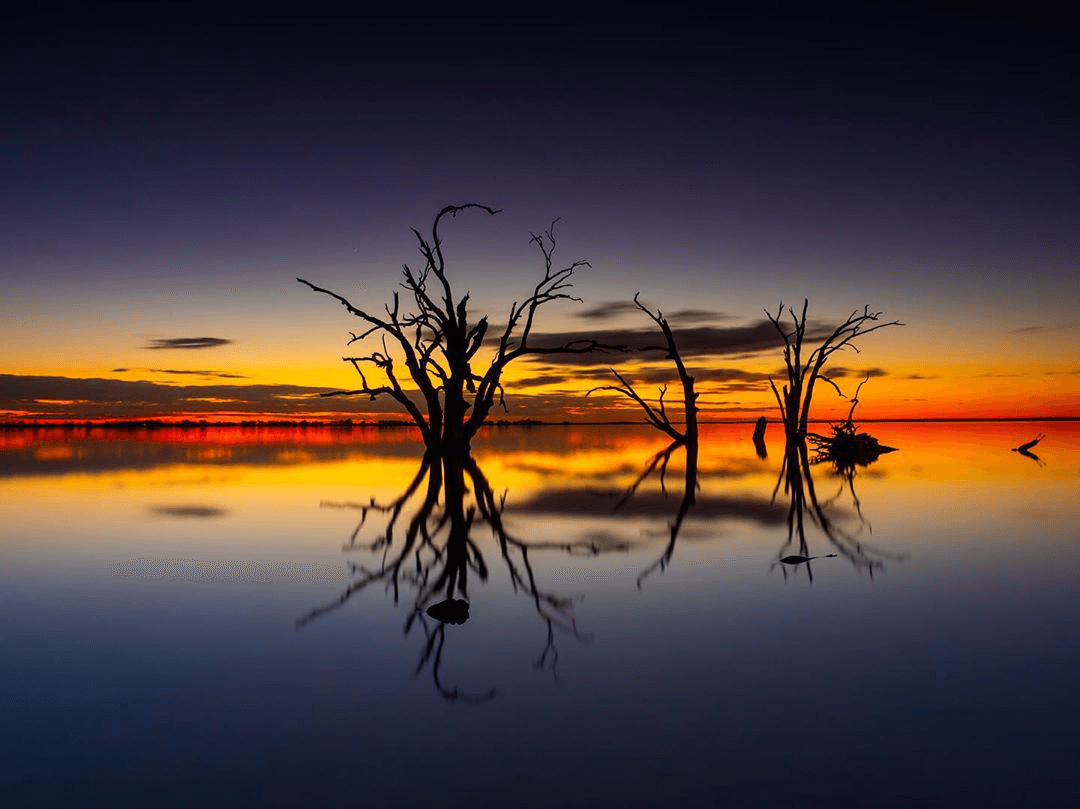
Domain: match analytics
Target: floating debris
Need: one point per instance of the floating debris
(1023, 448)
(847, 447)
(798, 559)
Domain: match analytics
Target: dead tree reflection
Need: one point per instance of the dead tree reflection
(435, 555)
(690, 487)
(798, 484)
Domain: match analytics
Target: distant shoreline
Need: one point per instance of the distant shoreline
(154, 424)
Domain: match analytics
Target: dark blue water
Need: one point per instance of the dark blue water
(943, 676)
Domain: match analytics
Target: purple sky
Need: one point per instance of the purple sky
(168, 169)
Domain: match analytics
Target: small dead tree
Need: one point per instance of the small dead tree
(803, 375)
(438, 342)
(657, 415)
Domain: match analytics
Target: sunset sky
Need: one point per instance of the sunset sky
(167, 175)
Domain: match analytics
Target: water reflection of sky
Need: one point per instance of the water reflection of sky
(150, 588)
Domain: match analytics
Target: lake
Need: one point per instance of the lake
(218, 615)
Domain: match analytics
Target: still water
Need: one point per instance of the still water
(216, 616)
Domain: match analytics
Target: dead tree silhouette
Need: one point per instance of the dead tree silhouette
(657, 415)
(803, 375)
(436, 555)
(438, 342)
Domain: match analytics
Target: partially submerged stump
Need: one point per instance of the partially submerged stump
(759, 437)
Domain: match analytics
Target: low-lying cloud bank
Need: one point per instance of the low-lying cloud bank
(59, 397)
(694, 342)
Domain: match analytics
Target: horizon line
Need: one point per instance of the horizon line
(394, 424)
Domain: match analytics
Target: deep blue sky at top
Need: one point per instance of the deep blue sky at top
(151, 146)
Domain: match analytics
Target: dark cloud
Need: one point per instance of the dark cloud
(684, 316)
(67, 398)
(607, 310)
(698, 341)
(178, 372)
(921, 376)
(187, 342)
(733, 378)
(537, 381)
(75, 399)
(710, 375)
(711, 380)
(840, 372)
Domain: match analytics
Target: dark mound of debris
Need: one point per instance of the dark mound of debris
(847, 447)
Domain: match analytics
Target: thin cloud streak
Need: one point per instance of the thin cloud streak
(184, 512)
(1044, 329)
(180, 372)
(608, 310)
(159, 343)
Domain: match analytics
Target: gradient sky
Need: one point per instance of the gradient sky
(167, 173)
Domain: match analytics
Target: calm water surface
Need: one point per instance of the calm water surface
(185, 618)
